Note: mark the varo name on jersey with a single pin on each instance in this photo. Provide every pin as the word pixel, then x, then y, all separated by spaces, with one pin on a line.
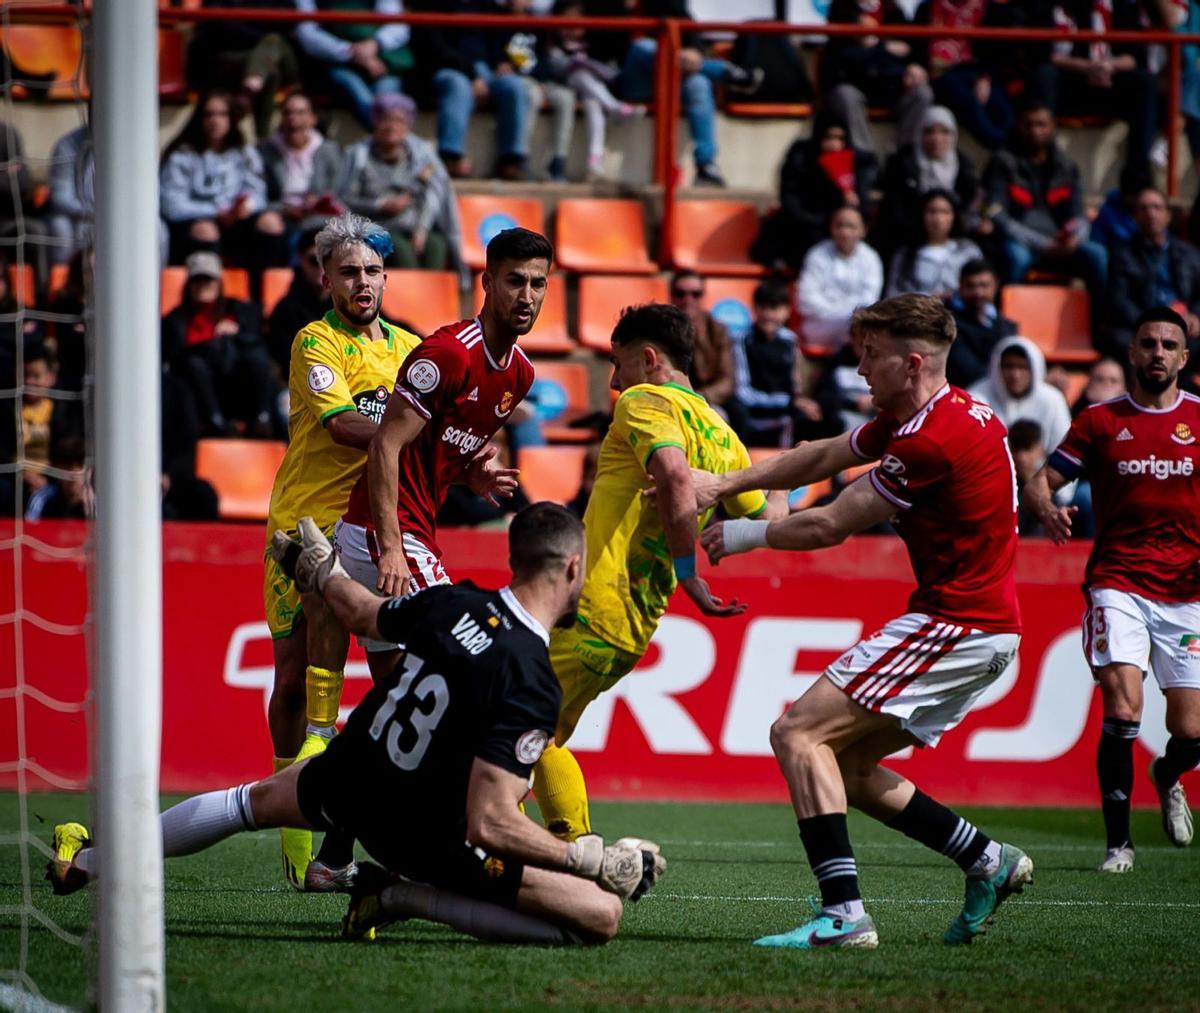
pixel 467 632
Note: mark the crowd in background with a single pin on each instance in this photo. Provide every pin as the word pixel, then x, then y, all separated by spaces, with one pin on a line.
pixel 852 223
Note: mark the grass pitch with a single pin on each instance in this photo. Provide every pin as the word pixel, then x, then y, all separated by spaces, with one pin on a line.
pixel 239 939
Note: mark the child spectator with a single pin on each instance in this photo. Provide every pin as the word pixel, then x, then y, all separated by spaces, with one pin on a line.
pixel 980 325
pixel 213 193
pixel 68 495
pixel 1028 453
pixel 934 266
pixel 839 275
pixel 396 178
pixel 213 344
pixel 842 391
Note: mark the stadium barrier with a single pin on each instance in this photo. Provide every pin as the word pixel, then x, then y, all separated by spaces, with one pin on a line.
pixel 690 723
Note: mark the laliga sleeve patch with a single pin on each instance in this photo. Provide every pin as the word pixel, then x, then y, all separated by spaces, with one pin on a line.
pixel 423 375
pixel 320 378
pixel 531 745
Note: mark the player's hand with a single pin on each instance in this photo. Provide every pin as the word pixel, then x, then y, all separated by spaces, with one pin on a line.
pixel 395 578
pixel 488 479
pixel 712 541
pixel 707 487
pixel 316 561
pixel 697 589
pixel 628 868
pixel 1057 523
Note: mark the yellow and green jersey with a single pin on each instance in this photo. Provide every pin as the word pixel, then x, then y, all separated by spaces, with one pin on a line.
pixel 333 369
pixel 630 575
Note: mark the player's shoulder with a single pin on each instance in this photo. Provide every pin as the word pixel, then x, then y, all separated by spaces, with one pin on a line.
pixel 653 396
pixel 317 333
pixel 454 340
pixel 400 341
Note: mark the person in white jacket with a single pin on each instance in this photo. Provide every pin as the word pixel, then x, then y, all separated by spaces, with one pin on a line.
pixel 839 275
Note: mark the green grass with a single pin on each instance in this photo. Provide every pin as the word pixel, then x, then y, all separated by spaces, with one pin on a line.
pixel 238 939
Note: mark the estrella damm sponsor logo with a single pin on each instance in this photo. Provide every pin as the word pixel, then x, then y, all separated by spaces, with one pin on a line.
pixel 372 403
pixel 1157 467
pixel 1183 434
pixel 1190 642
pixel 465 439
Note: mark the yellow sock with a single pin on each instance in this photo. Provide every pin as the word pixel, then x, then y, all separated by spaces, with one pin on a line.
pixel 324 691
pixel 561 793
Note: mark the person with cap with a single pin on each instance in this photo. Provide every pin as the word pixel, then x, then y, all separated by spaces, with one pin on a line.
pixel 397 179
pixel 214 345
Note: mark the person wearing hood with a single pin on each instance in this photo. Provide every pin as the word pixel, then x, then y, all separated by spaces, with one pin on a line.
pixel 820 174
pixel 935 162
pixel 1016 387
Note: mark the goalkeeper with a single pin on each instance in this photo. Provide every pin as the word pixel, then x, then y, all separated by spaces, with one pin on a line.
pixel 431 766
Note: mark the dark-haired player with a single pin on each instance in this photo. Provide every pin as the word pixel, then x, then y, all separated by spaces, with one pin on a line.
pixel 1142 584
pixel 946 478
pixel 452 735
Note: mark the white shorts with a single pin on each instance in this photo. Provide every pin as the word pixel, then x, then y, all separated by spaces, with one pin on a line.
pixel 1162 636
pixel 358 551
pixel 924 672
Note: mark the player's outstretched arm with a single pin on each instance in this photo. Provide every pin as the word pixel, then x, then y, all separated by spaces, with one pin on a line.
pixel 401 424
pixel 676 503
pixel 1038 497
pixel 802 465
pixel 627 868
pixel 349 429
pixel 858 508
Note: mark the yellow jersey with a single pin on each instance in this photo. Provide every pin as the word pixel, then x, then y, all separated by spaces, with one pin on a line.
pixel 332 369
pixel 630 575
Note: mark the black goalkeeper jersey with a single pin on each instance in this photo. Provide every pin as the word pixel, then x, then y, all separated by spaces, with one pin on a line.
pixel 475 682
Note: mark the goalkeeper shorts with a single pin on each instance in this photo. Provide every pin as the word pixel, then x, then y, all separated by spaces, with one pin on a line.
pixel 586 666
pixel 281 599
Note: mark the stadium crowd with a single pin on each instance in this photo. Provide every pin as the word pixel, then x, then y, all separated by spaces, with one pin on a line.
pixel 852 223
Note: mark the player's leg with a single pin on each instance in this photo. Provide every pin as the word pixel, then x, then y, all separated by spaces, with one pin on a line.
pixel 1182 754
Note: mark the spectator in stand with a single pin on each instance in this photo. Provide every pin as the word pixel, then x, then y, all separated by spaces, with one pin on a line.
pixel 711 371
pixel 1115 222
pixel 19 219
pixel 769 406
pixel 71 206
pixel 396 178
pixel 68 495
pixel 1106 380
pixel 1028 449
pixel 933 267
pixel 935 162
pixel 842 391
pixel 306 300
pixel 251 59
pixel 1016 387
pixel 839 275
pixel 213 343
pixel 185 497
pixel 213 193
pixel 980 325
pixel 1154 268
pixel 1092 77
pixel 568 61
pixel 820 174
pixel 49 415
pixel 1034 200
pixel 361 61
pixel 301 167
pixel 70 335
pixel 871 71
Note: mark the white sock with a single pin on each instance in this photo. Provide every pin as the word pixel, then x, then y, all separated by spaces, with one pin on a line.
pixel 324 731
pixel 202 820
pixel 478 918
pixel 987 864
pixel 85 861
pixel 851 910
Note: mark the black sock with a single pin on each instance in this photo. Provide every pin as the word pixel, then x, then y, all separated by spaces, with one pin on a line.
pixel 337 849
pixel 1181 756
pixel 826 839
pixel 930 823
pixel 1114 769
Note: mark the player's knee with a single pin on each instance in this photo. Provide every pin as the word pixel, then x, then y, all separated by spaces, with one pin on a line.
pixel 789 740
pixel 604 920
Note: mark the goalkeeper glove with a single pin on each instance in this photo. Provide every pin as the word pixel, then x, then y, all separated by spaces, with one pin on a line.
pixel 311 563
pixel 628 868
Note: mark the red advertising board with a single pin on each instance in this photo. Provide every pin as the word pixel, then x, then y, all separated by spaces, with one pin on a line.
pixel 689 723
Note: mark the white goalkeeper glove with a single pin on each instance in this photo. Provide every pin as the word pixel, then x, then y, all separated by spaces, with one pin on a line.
pixel 628 868
pixel 312 562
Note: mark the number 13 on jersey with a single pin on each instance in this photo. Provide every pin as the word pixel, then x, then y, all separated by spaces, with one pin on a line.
pixel 423 722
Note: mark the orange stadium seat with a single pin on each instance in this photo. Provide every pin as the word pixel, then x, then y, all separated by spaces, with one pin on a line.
pixel 48 49
pixel 714 237
pixel 603 236
pixel 425 300
pixel 235 283
pixel 603 296
pixel 242 472
pixel 558 395
pixel 731 301
pixel 275 284
pixel 58 280
pixel 23 284
pixel 1076 382
pixel 549 335
pixel 172 60
pixel 1057 318
pixel 553 473
pixel 483 215
pixel 854 473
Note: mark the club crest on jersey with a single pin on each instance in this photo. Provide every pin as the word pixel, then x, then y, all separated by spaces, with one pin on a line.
pixel 505 405
pixel 1183 434
pixel 531 745
pixel 424 375
pixel 892 464
pixel 320 378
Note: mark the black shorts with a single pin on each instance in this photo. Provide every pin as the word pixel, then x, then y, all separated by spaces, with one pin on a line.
pixel 336 793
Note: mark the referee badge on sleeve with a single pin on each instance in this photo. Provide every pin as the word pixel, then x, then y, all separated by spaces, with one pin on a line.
pixel 531 745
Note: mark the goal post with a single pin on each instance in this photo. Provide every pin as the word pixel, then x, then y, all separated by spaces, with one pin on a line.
pixel 128 583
